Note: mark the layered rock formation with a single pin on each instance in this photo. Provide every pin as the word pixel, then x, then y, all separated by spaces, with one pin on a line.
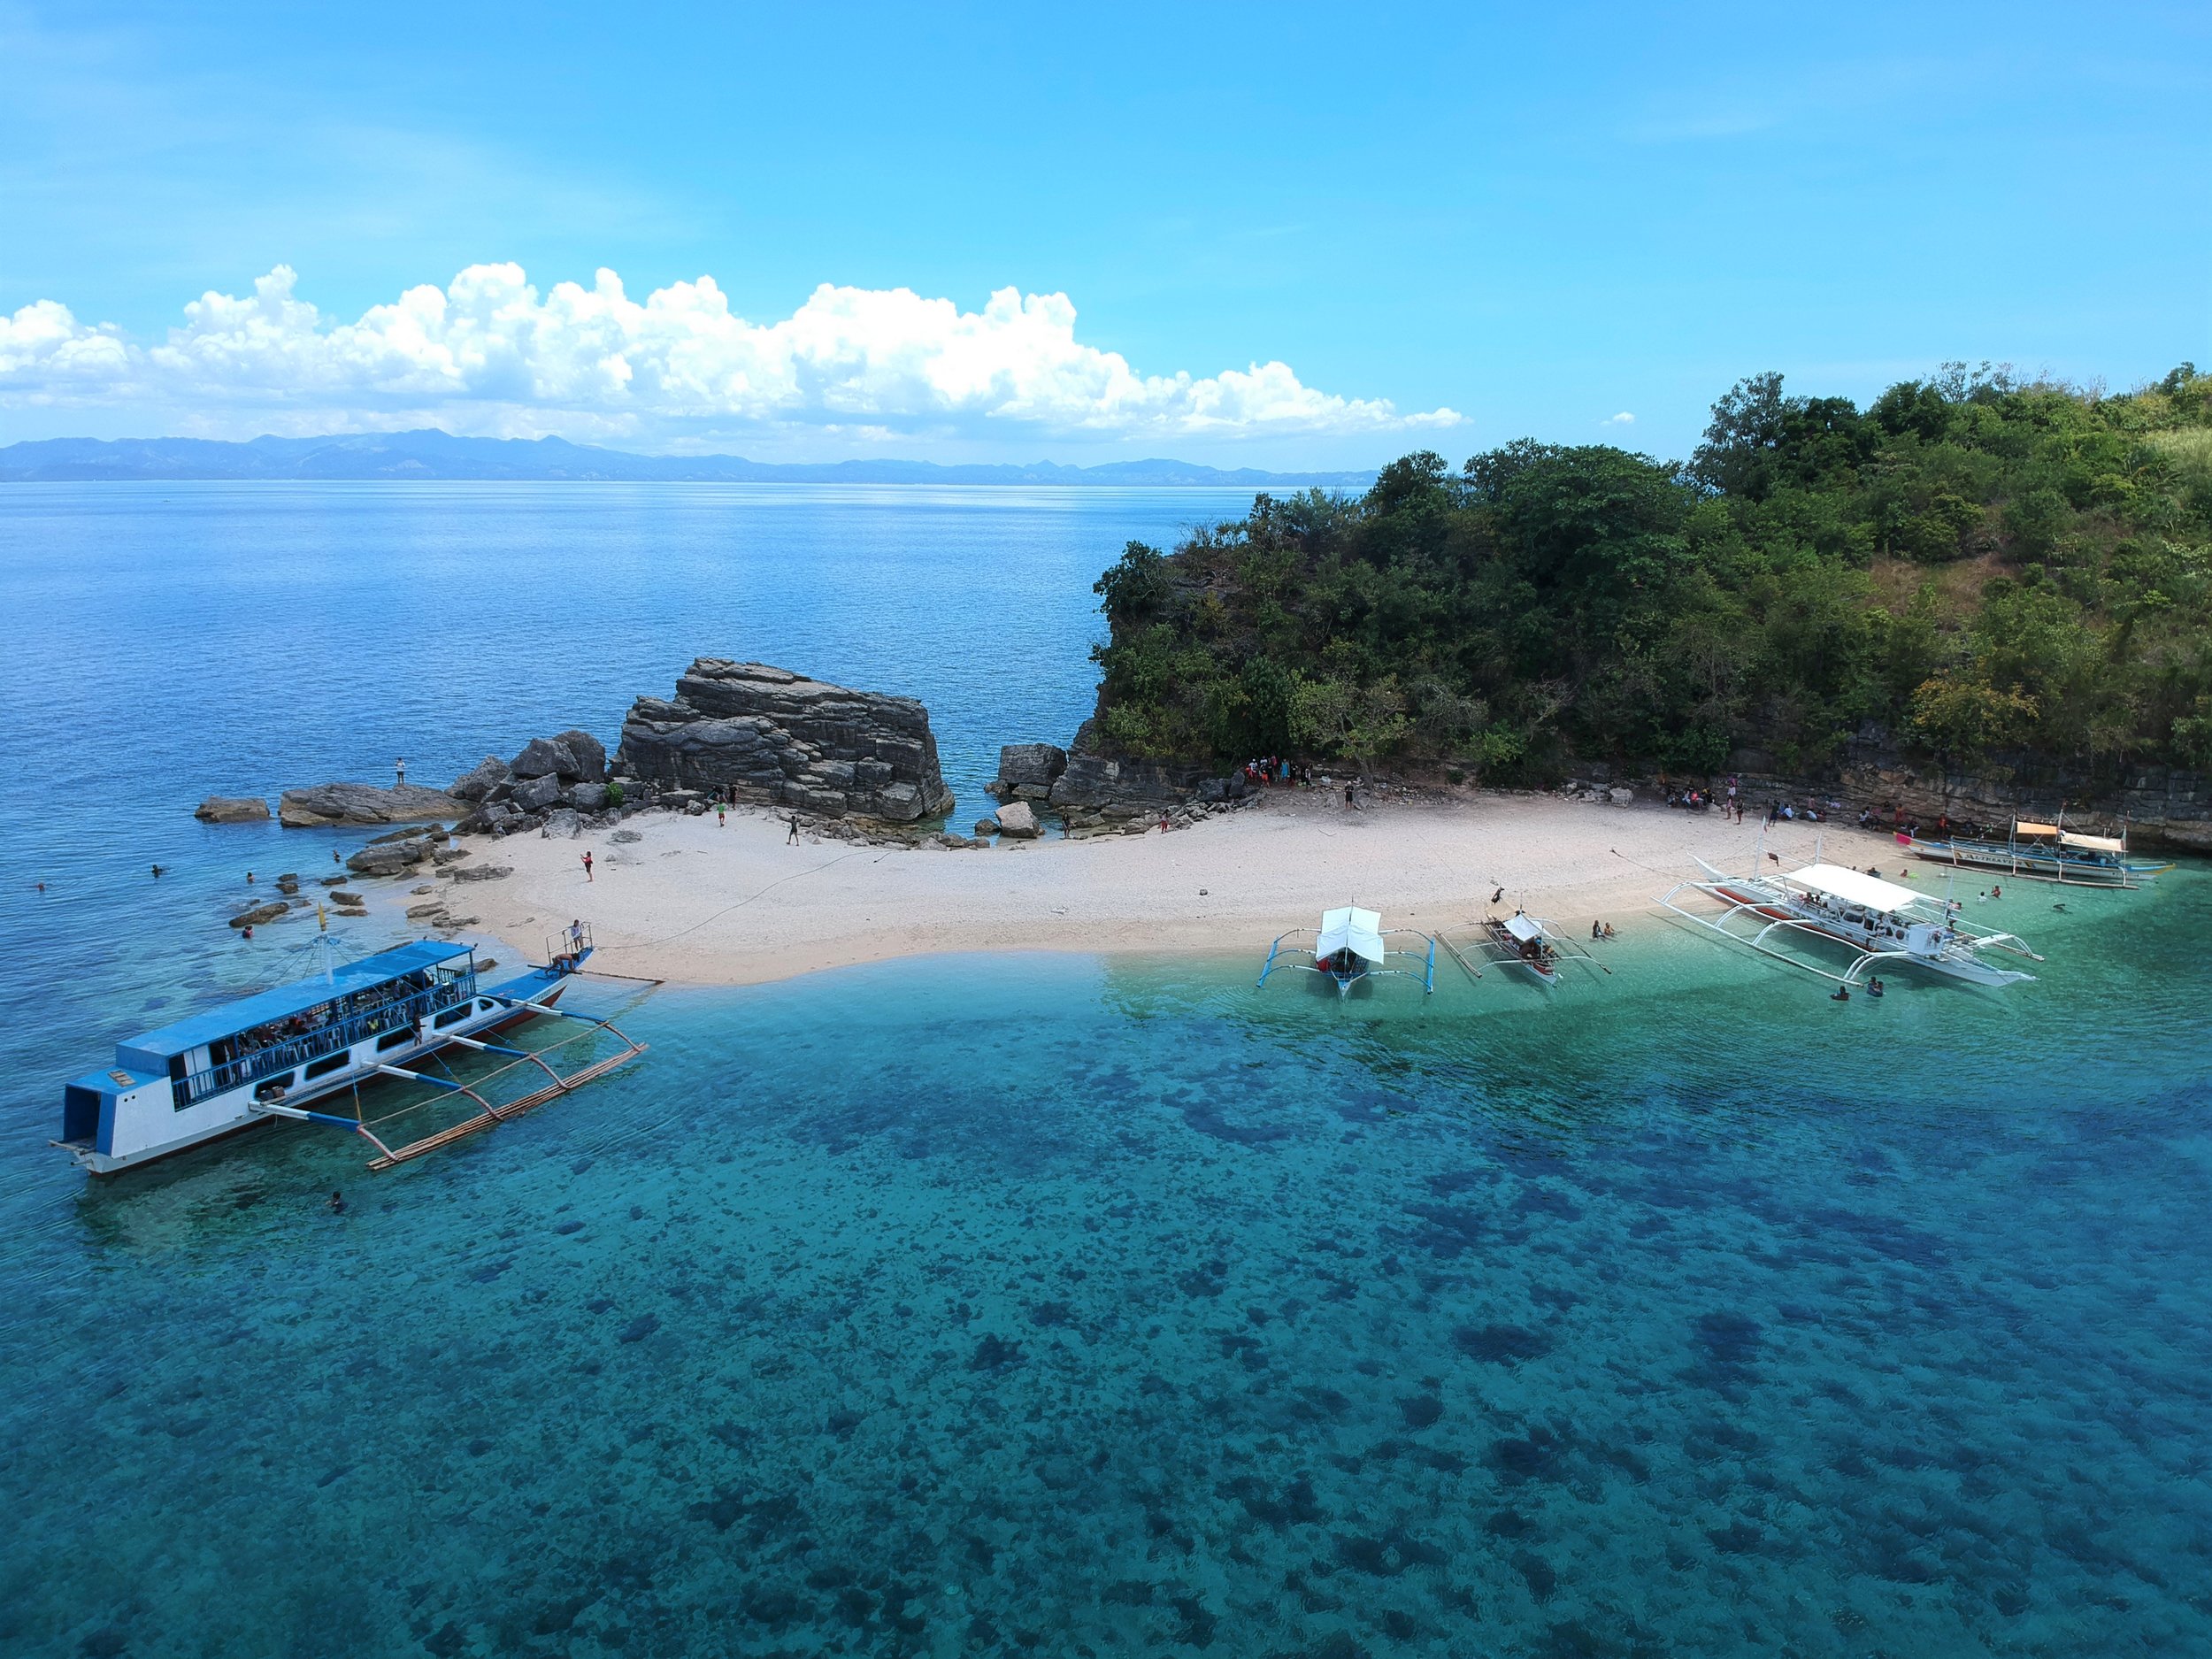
pixel 769 735
pixel 357 803
pixel 1098 792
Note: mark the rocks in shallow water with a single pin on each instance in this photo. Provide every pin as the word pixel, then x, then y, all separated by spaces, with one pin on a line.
pixel 777 737
pixel 288 883
pixel 355 804
pixel 423 912
pixel 390 858
pixel 1018 819
pixel 232 808
pixel 260 914
pixel 986 826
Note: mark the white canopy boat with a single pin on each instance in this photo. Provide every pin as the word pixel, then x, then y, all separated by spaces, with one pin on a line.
pixel 1878 920
pixel 1350 945
pixel 2045 852
pixel 1527 943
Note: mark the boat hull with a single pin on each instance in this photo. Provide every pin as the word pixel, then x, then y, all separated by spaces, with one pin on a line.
pixel 222 1116
pixel 2030 865
pixel 1967 970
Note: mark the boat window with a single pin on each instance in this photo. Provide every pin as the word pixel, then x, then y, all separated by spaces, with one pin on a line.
pixel 484 1005
pixel 328 1063
pixel 451 1015
pixel 395 1039
pixel 274 1088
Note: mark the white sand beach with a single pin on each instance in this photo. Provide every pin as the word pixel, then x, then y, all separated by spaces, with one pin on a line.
pixel 697 903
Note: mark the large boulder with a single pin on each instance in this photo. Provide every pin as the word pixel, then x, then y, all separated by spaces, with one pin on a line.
pixel 544 757
pixel 534 794
pixel 232 808
pixel 479 780
pixel 260 914
pixel 590 753
pixel 388 858
pixel 562 823
pixel 1030 770
pixel 1017 819
pixel 352 804
pixel 586 797
pixel 773 736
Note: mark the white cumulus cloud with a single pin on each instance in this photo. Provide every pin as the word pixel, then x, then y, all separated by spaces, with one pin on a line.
pixel 1621 419
pixel 488 353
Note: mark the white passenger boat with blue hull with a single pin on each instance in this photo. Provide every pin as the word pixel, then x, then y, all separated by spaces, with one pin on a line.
pixel 281 1052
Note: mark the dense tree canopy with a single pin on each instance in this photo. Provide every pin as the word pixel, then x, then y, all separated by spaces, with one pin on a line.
pixel 1981 569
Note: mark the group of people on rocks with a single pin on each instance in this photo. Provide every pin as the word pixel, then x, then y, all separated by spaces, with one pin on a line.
pixel 1274 768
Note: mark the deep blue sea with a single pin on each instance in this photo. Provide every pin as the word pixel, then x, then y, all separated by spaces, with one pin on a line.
pixel 1059 1305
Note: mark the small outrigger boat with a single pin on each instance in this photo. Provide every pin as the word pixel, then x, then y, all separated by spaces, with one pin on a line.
pixel 2044 852
pixel 1349 947
pixel 1527 943
pixel 1877 921
pixel 270 1055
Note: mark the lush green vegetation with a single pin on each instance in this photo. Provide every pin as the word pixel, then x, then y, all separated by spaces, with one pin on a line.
pixel 1989 572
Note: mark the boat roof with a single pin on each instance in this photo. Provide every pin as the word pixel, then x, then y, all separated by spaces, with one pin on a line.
pixel 1525 929
pixel 2093 843
pixel 1856 886
pixel 284 1001
pixel 1351 928
pixel 2021 826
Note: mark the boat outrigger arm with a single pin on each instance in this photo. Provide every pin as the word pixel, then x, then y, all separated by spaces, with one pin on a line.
pixel 556 1084
pixel 1940 944
pixel 1355 939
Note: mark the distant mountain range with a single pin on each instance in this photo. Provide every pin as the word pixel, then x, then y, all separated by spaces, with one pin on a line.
pixel 438 455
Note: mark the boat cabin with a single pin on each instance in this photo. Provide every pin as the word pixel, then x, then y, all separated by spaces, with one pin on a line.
pixel 196 1076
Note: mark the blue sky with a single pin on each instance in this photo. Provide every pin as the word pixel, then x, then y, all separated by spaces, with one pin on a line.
pixel 1440 226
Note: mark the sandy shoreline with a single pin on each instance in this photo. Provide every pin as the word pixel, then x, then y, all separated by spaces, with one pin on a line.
pixel 698 903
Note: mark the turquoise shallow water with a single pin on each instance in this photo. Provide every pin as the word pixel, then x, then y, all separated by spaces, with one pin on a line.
pixel 1032 1304
pixel 1060 1305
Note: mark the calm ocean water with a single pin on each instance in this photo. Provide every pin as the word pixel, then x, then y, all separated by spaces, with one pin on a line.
pixel 1038 1305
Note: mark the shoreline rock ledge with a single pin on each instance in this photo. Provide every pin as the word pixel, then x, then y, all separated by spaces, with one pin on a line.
pixel 355 804
pixel 773 736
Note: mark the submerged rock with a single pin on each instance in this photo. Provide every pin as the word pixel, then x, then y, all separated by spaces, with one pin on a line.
pixel 232 808
pixel 260 913
pixel 768 735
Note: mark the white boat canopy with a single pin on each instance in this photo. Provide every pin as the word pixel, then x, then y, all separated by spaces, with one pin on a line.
pixel 1523 928
pixel 1856 886
pixel 1351 929
pixel 2093 843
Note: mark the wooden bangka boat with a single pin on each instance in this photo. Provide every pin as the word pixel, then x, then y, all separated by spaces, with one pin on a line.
pixel 2044 852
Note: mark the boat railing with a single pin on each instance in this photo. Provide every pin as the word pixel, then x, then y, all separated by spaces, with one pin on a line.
pixel 342 1033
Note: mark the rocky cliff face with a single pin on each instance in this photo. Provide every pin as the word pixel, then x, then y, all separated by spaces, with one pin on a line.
pixel 774 736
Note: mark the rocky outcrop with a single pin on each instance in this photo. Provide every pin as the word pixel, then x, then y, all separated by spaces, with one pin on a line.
pixel 1026 771
pixel 232 808
pixel 769 735
pixel 358 804
pixel 392 857
pixel 479 780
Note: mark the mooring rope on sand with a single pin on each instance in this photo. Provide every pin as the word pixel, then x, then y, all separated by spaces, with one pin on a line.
pixel 642 944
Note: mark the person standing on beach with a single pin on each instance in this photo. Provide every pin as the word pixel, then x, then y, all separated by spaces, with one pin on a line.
pixel 721 815
pixel 399 772
pixel 587 875
pixel 792 840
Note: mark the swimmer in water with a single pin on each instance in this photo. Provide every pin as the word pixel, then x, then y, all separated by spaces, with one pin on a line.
pixel 337 1203
pixel 1842 996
